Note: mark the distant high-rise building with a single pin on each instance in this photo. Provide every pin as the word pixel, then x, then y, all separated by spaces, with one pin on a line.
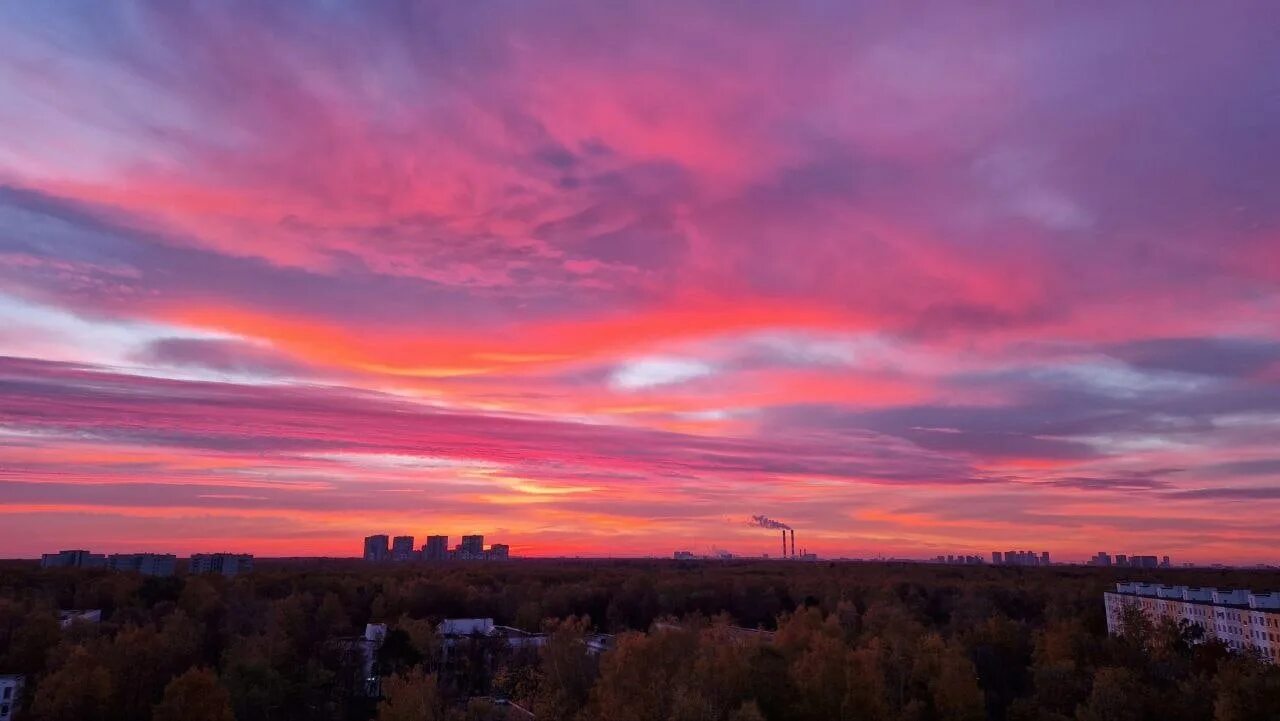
pixel 997 557
pixel 1164 562
pixel 436 548
pixel 227 564
pixel 402 548
pixel 1122 559
pixel 1044 559
pixel 73 559
pixel 471 548
pixel 147 564
pixel 499 552
pixel 376 548
pixel 1144 562
pixel 1101 559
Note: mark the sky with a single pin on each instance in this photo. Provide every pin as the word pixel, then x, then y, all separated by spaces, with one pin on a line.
pixel 611 278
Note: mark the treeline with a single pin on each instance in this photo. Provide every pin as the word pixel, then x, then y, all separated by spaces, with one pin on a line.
pixel 850 641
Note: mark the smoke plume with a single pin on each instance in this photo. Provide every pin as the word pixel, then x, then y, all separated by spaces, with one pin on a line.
pixel 766 522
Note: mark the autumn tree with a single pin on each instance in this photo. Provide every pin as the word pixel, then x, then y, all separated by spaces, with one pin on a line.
pixel 565 670
pixel 78 691
pixel 412 696
pixel 194 696
pixel 1117 695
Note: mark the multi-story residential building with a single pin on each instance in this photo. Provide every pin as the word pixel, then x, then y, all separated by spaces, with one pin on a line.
pixel 1020 558
pixel 148 564
pixel 1243 620
pixel 402 548
pixel 73 559
pixel 227 564
pixel 376 548
pixel 1129 561
pixel 471 549
pixel 436 548
pixel 10 695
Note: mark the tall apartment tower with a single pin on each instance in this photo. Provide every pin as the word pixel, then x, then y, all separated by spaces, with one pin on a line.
pixel 402 548
pixel 376 548
pixel 997 557
pixel 436 548
pixel 471 548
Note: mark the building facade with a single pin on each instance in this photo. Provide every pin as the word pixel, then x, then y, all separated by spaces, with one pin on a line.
pixel 73 559
pixel 402 548
pixel 376 548
pixel 227 564
pixel 1243 620
pixel 471 548
pixel 10 695
pixel 1124 560
pixel 148 564
pixel 436 548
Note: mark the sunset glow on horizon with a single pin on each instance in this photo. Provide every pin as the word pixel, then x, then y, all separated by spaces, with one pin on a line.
pixel 601 280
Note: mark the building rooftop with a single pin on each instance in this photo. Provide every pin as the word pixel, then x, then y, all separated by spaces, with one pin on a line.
pixel 1239 597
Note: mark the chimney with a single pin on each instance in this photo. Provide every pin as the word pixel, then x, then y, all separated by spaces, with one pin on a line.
pixel 784 543
pixel 793 543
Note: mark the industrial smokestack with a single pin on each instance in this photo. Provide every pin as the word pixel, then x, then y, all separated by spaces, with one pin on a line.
pixel 784 543
pixel 793 543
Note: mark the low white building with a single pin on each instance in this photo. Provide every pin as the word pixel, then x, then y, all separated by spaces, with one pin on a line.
pixel 361 653
pixel 456 632
pixel 1243 620
pixel 10 695
pixel 66 618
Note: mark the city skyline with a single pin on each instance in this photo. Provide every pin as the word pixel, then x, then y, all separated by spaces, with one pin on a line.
pixel 610 281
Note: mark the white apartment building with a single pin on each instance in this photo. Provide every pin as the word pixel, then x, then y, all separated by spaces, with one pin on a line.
pixel 1242 619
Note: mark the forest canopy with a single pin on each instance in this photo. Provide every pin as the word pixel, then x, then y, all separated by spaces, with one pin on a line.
pixel 873 642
